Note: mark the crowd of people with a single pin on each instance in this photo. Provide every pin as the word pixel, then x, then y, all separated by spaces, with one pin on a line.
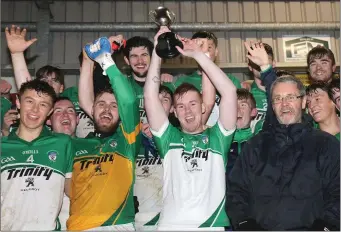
pixel 148 151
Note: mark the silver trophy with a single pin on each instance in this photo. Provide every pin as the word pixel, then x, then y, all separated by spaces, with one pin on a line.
pixel 167 41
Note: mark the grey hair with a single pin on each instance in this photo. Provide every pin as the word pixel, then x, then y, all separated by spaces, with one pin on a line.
pixel 289 79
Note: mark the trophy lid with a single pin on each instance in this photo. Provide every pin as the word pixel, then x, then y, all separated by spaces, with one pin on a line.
pixel 163 16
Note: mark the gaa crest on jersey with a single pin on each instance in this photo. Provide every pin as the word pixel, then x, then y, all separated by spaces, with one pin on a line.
pixel 113 143
pixel 52 155
pixel 205 139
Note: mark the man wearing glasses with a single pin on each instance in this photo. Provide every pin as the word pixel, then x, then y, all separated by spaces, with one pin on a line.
pixel 288 176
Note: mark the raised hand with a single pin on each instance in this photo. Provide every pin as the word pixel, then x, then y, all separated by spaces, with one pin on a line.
pixel 192 47
pixel 117 38
pixel 16 41
pixel 163 29
pixel 257 52
pixel 5 87
pixel 166 78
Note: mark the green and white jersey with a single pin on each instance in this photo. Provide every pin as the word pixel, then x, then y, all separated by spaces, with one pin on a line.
pixel 194 177
pixel 195 79
pixel 85 125
pixel 32 180
pixel 148 190
pixel 261 104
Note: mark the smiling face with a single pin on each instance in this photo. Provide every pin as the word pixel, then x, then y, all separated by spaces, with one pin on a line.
pixel 287 103
pixel 34 107
pixel 320 106
pixel 105 113
pixel 245 113
pixel 189 109
pixel 64 118
pixel 139 61
pixel 321 69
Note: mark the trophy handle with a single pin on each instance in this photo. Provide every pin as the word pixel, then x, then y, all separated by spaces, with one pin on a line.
pixel 171 13
pixel 152 15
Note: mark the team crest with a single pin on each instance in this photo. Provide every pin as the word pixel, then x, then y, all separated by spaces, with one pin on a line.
pixel 52 155
pixel 205 139
pixel 113 143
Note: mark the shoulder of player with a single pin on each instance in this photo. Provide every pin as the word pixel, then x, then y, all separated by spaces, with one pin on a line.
pixel 71 91
pixel 61 137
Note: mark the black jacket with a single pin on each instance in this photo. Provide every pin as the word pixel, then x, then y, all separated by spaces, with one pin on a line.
pixel 286 178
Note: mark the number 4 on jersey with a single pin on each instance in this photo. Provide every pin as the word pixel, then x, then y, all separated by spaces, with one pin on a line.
pixel 30 159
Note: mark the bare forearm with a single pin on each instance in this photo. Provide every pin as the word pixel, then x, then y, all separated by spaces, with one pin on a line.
pixel 86 86
pixel 155 112
pixel 208 95
pixel 21 73
pixel 215 74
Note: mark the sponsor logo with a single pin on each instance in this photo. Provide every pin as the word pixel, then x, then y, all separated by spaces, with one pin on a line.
pixel 145 170
pixel 194 159
pixel 150 161
pixel 29 152
pixel 81 152
pixel 29 171
pixel 30 182
pixel 52 155
pixel 96 161
pixel 7 159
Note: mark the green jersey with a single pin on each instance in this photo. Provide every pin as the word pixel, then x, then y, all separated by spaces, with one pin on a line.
pixel 195 79
pixel 32 180
pixel 103 169
pixel 194 177
pixel 85 125
pixel 5 106
pixel 261 103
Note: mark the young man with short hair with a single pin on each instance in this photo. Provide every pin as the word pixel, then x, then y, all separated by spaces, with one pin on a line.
pixel 64 120
pixel 195 78
pixel 36 164
pixel 321 64
pixel 322 108
pixel 196 155
pixel 246 112
pixel 52 75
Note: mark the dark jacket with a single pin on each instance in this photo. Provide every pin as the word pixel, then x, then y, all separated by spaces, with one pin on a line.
pixel 286 178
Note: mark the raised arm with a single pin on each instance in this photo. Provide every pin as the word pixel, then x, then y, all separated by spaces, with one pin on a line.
pixel 86 98
pixel 156 115
pixel 17 45
pixel 259 56
pixel 208 96
pixel 226 88
pixel 100 51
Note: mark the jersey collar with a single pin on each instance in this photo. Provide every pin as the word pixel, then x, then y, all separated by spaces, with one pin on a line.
pixel 44 132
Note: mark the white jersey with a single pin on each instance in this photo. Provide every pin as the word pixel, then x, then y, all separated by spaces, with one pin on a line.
pixel 194 177
pixel 33 179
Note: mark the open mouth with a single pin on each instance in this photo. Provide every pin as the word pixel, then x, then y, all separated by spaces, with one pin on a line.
pixel 32 117
pixel 189 119
pixel 106 118
pixel 66 122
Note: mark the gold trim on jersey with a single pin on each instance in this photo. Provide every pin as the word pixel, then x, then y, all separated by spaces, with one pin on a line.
pixel 131 137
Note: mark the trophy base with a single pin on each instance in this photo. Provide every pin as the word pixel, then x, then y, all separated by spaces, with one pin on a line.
pixel 165 47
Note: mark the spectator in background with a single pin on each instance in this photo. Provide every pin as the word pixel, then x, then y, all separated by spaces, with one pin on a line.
pixel 246 112
pixel 288 176
pixel 321 64
pixel 322 108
